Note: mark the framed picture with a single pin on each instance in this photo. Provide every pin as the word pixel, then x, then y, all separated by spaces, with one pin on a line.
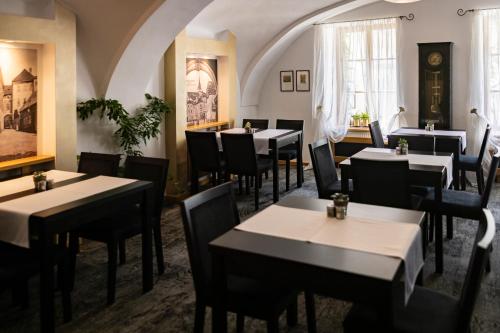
pixel 302 80
pixel 286 81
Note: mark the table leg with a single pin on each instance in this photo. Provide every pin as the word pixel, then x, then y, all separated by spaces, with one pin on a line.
pixel 147 246
pixel 47 320
pixel 274 157
pixel 300 167
pixel 219 315
pixel 439 242
pixel 344 181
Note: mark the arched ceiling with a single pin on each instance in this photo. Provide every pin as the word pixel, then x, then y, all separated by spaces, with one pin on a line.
pixel 264 30
pixel 104 29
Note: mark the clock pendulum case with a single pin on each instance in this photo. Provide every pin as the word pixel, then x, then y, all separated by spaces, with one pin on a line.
pixel 435 64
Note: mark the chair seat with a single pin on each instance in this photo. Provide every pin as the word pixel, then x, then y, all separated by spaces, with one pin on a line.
pixel 256 299
pixel 125 225
pixel 466 162
pixel 288 152
pixel 335 187
pixel 455 203
pixel 427 311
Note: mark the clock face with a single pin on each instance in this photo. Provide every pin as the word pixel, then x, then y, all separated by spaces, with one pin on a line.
pixel 435 59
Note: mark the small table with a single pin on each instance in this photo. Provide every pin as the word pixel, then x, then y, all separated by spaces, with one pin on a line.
pixel 421 174
pixel 436 133
pixel 44 225
pixel 341 273
pixel 268 142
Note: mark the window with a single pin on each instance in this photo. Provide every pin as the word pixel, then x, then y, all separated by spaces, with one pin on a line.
pixel 369 63
pixel 492 41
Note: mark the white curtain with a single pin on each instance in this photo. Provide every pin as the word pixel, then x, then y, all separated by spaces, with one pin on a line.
pixel 484 90
pixel 355 70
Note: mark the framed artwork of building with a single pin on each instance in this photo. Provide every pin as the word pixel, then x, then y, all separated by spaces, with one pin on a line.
pixel 201 90
pixel 18 102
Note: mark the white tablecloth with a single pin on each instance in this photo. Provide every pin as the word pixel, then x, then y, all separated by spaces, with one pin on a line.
pixel 261 138
pixel 395 233
pixel 416 131
pixel 26 183
pixel 390 155
pixel 15 214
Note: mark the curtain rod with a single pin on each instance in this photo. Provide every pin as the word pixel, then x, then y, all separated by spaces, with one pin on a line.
pixel 409 17
pixel 463 12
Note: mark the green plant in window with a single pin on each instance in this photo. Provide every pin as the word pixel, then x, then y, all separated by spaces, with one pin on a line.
pixel 132 129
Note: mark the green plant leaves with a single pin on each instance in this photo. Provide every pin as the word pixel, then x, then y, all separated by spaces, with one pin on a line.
pixel 132 130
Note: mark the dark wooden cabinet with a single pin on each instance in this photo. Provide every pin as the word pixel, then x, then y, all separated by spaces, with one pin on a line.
pixel 435 85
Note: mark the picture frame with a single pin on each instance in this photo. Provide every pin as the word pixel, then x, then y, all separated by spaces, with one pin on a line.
pixel 287 81
pixel 302 80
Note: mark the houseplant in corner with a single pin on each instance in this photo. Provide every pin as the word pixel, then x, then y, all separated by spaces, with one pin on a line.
pixel 132 129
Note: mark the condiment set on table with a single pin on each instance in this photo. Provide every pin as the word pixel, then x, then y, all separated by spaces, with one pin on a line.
pixel 41 182
pixel 338 209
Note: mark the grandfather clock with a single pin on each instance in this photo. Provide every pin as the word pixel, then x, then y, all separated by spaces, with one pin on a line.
pixel 435 61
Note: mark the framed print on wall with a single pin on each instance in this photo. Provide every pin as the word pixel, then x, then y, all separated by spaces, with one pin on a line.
pixel 286 81
pixel 302 80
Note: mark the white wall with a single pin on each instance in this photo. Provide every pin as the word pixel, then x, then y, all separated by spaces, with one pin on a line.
pixel 290 105
pixel 435 21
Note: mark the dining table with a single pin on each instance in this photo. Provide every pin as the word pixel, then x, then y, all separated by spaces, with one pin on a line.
pixel 462 134
pixel 32 219
pixel 427 169
pixel 373 257
pixel 268 143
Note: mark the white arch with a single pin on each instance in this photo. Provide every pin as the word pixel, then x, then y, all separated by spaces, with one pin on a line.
pixel 145 50
pixel 256 72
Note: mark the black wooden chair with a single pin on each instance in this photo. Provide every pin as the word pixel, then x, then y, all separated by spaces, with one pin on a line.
pixel 474 163
pixel 18 265
pixel 128 224
pixel 204 156
pixel 325 173
pixel 460 203
pixel 415 142
pixel 99 164
pixel 430 311
pixel 383 183
pixel 241 160
pixel 206 216
pixel 376 134
pixel 289 152
pixel 262 124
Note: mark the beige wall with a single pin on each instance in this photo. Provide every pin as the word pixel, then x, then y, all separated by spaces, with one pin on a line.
pixel 175 91
pixel 57 111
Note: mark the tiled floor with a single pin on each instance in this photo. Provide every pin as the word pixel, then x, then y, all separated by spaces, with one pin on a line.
pixel 170 306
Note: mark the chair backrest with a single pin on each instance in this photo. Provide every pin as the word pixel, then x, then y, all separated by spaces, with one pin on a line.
pixel 415 142
pixel 477 263
pixel 203 151
pixel 99 164
pixel 376 134
pixel 449 144
pixel 484 144
pixel 206 216
pixel 383 183
pixel 239 153
pixel 297 125
pixel 257 123
pixel 485 197
pixel 150 169
pixel 323 163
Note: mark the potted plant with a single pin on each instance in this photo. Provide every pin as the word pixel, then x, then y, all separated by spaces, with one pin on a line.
pixel 429 126
pixel 356 119
pixel 248 127
pixel 132 129
pixel 365 119
pixel 40 181
pixel 403 146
